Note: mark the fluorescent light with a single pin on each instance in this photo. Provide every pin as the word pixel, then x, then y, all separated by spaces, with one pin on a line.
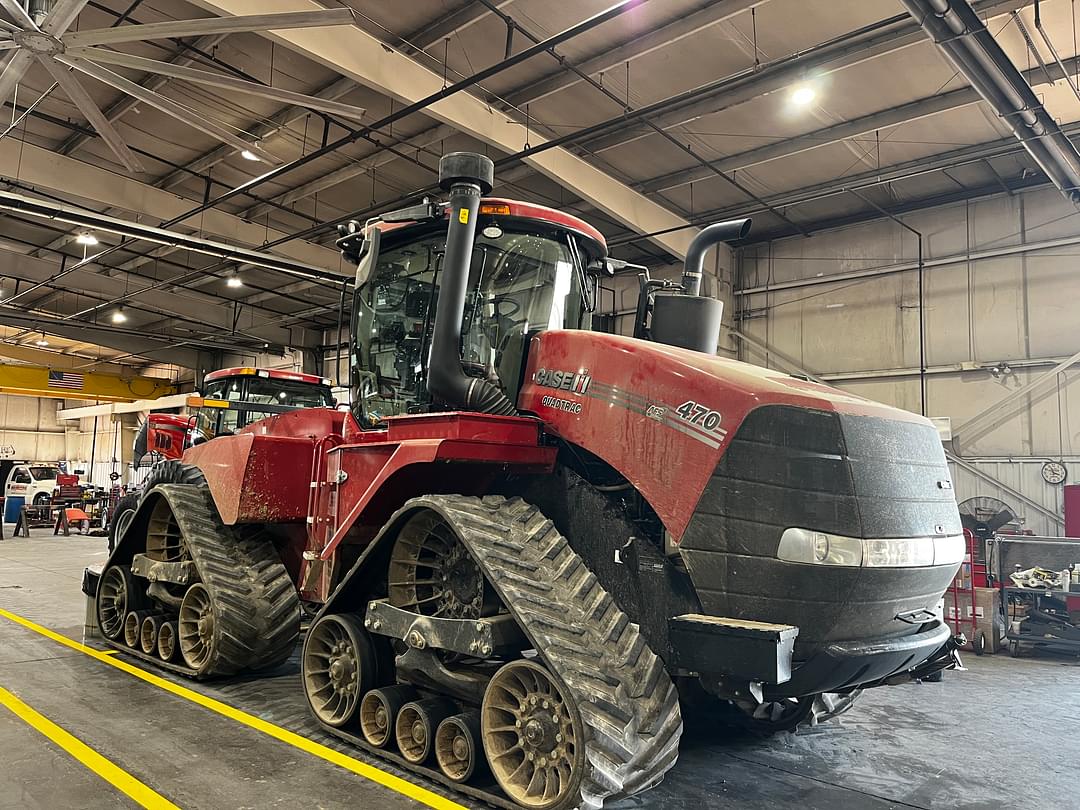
pixel 87 239
pixel 234 281
pixel 803 95
pixel 247 154
pixel 119 316
pixel 42 343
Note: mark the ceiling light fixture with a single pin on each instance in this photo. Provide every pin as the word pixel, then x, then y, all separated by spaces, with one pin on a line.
pixel 42 342
pixel 803 95
pixel 119 316
pixel 234 281
pixel 247 154
pixel 87 239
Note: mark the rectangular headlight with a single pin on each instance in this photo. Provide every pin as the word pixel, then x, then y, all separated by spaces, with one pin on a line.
pixel 822 548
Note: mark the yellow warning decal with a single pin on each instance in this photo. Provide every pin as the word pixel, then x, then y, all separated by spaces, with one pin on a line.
pixel 463 216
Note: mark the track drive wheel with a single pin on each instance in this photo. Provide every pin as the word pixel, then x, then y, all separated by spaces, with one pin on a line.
pixel 531 731
pixel 340 664
pixel 116 597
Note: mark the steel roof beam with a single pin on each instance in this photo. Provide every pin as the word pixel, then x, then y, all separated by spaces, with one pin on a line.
pixel 663 34
pixel 365 58
pixel 912 111
pixel 848 50
pixel 75 179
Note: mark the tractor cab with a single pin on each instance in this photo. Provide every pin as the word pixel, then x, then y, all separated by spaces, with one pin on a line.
pixel 532 269
pixel 232 398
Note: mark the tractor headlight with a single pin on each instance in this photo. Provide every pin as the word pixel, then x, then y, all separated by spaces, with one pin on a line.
pixel 822 548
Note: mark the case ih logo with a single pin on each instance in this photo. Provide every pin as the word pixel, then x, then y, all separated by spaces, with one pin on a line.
pixel 576 382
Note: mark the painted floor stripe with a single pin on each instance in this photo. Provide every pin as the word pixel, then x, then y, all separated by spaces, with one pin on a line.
pixel 85 755
pixel 377 775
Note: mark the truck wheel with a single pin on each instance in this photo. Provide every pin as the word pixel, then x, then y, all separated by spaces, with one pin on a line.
pixel 979 643
pixel 42 499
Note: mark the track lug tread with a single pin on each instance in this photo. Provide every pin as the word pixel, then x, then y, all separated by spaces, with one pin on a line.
pixel 257 609
pixel 628 704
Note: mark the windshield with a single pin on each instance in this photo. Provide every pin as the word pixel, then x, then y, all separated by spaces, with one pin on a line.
pixel 288 392
pixel 44 473
pixel 519 283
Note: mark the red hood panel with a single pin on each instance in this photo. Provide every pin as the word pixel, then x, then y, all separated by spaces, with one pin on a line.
pixel 661 415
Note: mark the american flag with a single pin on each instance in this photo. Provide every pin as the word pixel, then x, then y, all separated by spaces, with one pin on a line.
pixel 65 379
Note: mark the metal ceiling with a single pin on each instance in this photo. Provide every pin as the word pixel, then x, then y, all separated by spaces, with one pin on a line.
pixel 683 104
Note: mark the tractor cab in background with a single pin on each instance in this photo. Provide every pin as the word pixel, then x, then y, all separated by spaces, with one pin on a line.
pixel 232 398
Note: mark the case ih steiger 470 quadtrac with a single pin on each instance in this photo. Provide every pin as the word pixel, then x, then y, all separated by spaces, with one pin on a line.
pixel 528 539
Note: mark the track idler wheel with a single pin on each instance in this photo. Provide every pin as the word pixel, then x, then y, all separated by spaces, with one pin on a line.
pixel 166 641
pixel 340 664
pixel 532 736
pixel 415 727
pixel 458 749
pixel 116 597
pixel 133 627
pixel 379 710
pixel 196 627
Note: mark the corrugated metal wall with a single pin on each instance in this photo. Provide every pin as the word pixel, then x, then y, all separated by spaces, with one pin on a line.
pixel 1020 309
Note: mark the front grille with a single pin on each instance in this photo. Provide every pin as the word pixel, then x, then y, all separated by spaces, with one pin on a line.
pixel 857 476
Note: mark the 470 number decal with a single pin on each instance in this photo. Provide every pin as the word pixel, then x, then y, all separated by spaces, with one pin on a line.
pixel 698 414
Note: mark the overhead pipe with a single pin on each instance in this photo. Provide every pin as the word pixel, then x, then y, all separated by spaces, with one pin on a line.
pixel 971 48
pixel 84 217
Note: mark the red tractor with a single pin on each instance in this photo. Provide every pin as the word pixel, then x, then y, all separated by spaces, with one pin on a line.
pixel 529 541
pixel 233 398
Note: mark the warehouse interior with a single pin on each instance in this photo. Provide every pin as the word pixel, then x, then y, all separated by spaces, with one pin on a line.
pixel 219 364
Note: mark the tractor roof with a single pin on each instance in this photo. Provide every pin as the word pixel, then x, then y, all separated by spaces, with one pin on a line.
pixel 498 207
pixel 271 373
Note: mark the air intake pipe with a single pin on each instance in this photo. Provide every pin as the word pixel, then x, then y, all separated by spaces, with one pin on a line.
pixel 687 319
pixel 466 176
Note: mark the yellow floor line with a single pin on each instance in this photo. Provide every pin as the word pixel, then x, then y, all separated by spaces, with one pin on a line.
pixel 381 777
pixel 85 755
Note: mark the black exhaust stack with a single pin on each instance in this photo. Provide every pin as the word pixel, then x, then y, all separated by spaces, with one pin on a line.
pixel 686 319
pixel 466 176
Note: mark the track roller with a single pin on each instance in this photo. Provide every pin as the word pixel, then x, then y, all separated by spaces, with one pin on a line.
pixel 148 633
pixel 458 749
pixel 133 627
pixel 166 641
pixel 378 711
pixel 415 727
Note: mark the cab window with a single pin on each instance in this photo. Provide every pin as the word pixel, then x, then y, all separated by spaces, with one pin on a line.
pixel 21 476
pixel 520 282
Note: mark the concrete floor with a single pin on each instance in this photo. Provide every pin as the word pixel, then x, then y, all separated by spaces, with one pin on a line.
pixel 999 735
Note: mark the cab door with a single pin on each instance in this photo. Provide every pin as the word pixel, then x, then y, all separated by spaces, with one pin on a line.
pixel 18 482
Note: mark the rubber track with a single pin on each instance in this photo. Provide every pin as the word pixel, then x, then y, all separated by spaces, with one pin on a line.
pixel 629 706
pixel 256 607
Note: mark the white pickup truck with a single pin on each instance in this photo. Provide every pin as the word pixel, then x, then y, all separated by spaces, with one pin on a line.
pixel 34 482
